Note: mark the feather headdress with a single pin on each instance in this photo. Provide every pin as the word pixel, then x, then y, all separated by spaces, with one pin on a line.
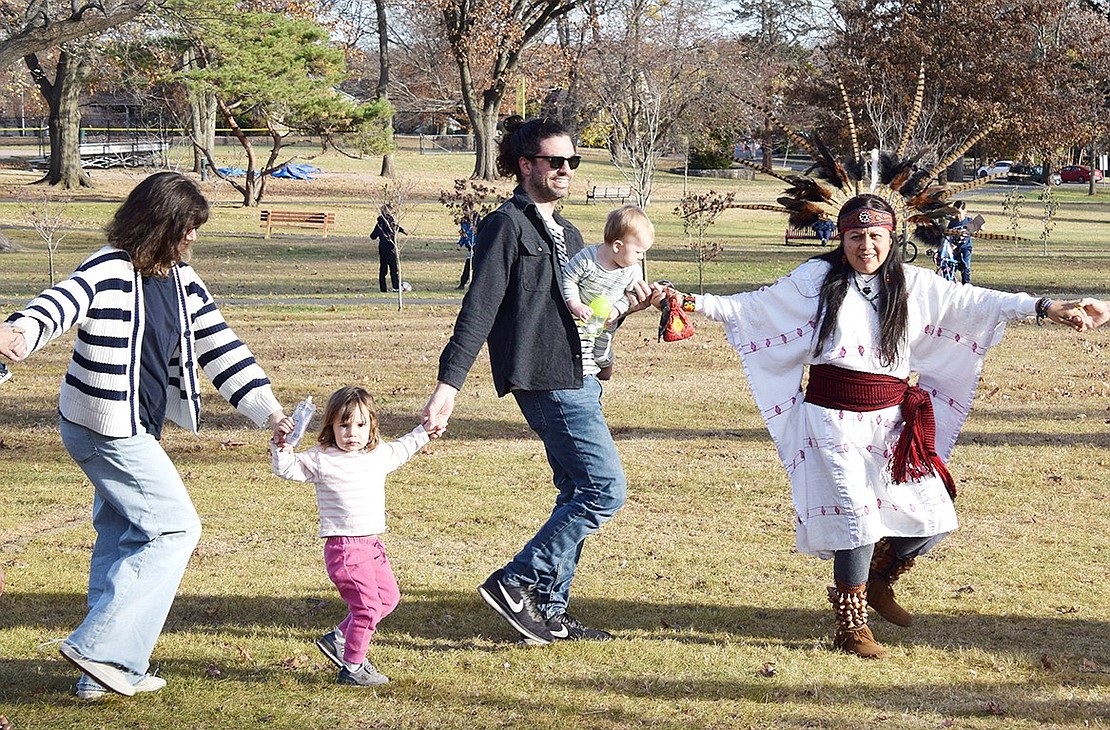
pixel 901 179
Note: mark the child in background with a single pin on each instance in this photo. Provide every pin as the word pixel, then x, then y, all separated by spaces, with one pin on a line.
pixel 959 232
pixel 607 270
pixel 348 467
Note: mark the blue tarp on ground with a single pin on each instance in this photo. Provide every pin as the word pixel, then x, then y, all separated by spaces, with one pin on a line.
pixel 296 171
pixel 290 170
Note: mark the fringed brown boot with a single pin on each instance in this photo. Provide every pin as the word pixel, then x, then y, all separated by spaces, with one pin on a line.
pixel 886 567
pixel 852 634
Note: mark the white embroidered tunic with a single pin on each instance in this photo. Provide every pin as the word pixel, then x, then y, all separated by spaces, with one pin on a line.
pixel 838 460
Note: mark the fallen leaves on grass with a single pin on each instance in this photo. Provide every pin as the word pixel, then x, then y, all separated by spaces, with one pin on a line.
pixel 5 724
pixel 767 670
pixel 293 662
pixel 213 671
pixel 1088 665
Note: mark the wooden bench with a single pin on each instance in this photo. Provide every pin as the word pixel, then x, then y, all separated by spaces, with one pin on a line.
pixel 302 219
pixel 616 192
pixel 802 234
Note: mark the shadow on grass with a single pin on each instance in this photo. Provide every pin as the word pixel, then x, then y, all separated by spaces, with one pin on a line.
pixel 452 620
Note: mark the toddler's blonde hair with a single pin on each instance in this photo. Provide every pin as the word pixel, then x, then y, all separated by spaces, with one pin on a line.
pixel 627 219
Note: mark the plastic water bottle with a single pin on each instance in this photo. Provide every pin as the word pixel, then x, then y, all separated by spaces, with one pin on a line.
pixel 302 414
pixel 600 308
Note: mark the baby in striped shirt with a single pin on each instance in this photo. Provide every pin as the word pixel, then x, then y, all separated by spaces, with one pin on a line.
pixel 608 271
pixel 348 465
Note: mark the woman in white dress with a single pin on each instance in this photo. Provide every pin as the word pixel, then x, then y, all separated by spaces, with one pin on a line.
pixel 865 451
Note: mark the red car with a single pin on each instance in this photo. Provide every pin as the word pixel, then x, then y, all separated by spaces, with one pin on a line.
pixel 1078 174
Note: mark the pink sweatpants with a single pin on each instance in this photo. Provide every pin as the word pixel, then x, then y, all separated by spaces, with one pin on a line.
pixel 360 570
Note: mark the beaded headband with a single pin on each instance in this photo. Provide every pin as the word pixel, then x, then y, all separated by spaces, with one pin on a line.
pixel 865 218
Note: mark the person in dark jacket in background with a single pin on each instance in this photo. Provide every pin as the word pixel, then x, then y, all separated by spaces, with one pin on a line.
pixel 515 304
pixel 385 232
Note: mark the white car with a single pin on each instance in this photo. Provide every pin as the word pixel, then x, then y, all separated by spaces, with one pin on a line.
pixel 996 168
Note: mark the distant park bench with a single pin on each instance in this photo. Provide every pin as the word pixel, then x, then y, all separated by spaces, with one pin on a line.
pixel 618 192
pixel 302 219
pixel 102 155
pixel 801 234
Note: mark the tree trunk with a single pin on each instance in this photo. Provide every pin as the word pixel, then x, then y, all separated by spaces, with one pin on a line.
pixel 482 120
pixel 202 108
pixel 202 113
pixel 1094 166
pixel 485 137
pixel 383 79
pixel 64 121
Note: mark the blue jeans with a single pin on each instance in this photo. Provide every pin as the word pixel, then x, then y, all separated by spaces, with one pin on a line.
pixel 963 261
pixel 146 529
pixel 590 481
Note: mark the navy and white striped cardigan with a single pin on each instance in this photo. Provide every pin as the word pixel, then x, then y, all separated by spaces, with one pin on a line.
pixel 103 298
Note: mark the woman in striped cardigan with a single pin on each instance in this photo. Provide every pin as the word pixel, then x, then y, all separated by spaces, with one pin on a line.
pixel 145 322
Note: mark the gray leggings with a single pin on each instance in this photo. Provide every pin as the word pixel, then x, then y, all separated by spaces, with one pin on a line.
pixel 851 567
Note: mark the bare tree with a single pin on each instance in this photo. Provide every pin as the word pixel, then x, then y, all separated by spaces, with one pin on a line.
pixel 44 25
pixel 48 218
pixel 698 212
pixel 486 39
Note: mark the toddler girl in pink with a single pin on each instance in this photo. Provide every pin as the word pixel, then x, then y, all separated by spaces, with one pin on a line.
pixel 348 466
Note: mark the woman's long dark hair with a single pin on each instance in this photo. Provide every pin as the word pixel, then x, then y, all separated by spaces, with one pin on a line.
pixel 893 310
pixel 152 223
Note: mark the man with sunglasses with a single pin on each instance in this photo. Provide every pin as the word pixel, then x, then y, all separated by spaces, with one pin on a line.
pixel 515 304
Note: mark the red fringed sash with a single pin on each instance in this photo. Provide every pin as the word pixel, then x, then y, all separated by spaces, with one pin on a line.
pixel 915 454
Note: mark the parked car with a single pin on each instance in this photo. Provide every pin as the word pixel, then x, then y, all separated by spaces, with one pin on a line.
pixel 1078 174
pixel 1021 173
pixel 995 168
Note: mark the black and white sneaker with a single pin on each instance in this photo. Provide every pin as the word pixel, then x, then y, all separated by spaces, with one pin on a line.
pixel 516 605
pixel 331 645
pixel 565 627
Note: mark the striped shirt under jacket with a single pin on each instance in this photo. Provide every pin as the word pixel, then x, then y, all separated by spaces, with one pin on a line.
pixel 103 298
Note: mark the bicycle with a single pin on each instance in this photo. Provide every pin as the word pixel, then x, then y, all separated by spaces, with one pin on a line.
pixel 909 249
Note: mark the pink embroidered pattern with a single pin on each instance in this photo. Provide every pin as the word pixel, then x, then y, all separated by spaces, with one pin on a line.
pixel 783 338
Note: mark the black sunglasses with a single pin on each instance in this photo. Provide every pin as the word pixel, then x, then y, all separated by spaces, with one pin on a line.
pixel 556 161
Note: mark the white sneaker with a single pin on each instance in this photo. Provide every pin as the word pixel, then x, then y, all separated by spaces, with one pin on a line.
pixel 149 683
pixel 108 675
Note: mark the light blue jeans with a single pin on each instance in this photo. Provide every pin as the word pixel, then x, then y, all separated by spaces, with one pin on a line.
pixel 591 488
pixel 146 529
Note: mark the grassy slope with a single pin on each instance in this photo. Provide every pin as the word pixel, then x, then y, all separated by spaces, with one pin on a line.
pixel 697 575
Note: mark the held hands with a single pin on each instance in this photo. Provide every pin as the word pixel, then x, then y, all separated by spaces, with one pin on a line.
pixel 661 290
pixel 1077 315
pixel 438 410
pixel 1097 310
pixel 643 295
pixel 282 425
pixel 12 343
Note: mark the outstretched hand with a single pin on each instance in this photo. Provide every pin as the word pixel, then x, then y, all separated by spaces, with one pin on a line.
pixel 643 295
pixel 1097 311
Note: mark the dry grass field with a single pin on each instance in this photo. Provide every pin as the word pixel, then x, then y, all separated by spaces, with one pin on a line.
pixel 719 622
